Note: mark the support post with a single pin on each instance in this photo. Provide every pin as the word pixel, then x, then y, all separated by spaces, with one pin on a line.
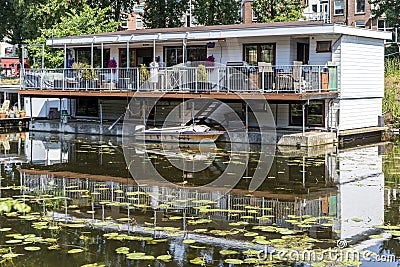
pixel 91 54
pixel 30 109
pixel 42 57
pixel 247 118
pixel 19 102
pixel 127 55
pixel 303 117
pixel 154 50
pixel 102 56
pixel 65 56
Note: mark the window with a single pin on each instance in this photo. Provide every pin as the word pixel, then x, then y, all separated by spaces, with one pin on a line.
pixel 139 24
pixel 339 7
pixel 324 46
pixel 87 107
pixel 254 53
pixel 122 57
pixel 83 55
pixel 314 114
pixel 174 55
pixel 314 8
pixel 253 15
pixel 360 24
pixel 360 6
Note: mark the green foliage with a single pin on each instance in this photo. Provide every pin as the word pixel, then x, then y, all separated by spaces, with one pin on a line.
pixel 216 12
pixel 86 71
pixel 117 7
pixel 201 73
pixel 390 102
pixel 278 10
pixel 390 9
pixel 76 22
pixel 13 205
pixel 164 13
pixel 144 73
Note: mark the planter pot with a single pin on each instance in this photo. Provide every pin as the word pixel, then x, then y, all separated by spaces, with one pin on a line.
pixel 22 114
pixel 3 115
pixel 11 115
pixel 17 115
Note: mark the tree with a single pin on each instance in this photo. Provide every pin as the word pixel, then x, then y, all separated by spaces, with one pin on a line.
pixel 118 7
pixel 216 12
pixel 164 13
pixel 389 9
pixel 278 10
pixel 77 21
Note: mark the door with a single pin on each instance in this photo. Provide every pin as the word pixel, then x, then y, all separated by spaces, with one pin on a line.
pixel 144 56
pixel 303 52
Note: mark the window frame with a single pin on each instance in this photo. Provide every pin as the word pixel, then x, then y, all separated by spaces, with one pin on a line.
pixel 335 13
pixel 306 111
pixel 320 47
pixel 356 2
pixel 259 52
pixel 180 48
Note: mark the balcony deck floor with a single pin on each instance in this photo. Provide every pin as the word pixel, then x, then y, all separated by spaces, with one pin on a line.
pixel 178 95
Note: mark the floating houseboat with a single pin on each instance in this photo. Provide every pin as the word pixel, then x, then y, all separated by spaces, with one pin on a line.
pixel 316 77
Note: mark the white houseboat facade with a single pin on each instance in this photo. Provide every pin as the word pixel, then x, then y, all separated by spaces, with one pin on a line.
pixel 315 76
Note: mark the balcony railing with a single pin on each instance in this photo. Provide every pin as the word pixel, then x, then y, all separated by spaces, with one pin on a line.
pixel 266 79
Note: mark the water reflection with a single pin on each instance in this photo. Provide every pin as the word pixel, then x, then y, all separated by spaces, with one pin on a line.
pixel 329 194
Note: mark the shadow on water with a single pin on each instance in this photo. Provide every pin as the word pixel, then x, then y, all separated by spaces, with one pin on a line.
pixel 82 195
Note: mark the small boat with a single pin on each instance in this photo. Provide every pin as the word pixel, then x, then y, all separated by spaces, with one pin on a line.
pixel 186 134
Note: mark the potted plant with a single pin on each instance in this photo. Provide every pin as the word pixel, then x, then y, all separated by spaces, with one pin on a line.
pixel 22 113
pixel 3 114
pixel 144 76
pixel 86 74
pixel 201 77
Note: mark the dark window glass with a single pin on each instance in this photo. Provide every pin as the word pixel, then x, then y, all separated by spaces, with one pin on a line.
pixel 122 57
pixel 83 56
pixel 339 7
pixel 324 46
pixel 314 114
pixel 174 55
pixel 87 107
pixel 254 53
pixel 360 6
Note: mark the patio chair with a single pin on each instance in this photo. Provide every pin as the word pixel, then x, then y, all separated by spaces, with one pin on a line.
pixel 266 76
pixel 297 76
pixel 6 105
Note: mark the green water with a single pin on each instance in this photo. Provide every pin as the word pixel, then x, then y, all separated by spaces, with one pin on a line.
pixel 82 197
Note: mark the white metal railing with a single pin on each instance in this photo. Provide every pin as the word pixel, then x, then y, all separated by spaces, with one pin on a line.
pixel 264 79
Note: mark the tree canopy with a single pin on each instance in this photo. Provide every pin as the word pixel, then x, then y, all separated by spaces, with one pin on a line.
pixel 77 21
pixel 164 13
pixel 216 12
pixel 278 10
pixel 389 9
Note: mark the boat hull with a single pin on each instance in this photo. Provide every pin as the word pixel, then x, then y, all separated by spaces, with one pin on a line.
pixel 207 137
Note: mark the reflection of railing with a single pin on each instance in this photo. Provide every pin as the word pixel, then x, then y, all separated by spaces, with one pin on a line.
pixel 229 207
pixel 284 78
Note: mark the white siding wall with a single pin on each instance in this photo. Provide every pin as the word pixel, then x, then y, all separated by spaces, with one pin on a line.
pixel 362 67
pixel 41 106
pixel 361 82
pixel 320 58
pixel 232 49
pixel 359 113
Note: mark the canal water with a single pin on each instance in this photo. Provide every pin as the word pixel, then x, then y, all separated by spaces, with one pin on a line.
pixel 70 200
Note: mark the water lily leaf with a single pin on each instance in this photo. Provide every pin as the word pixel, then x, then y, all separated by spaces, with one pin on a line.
pixel 75 250
pixel 13 241
pixel 93 265
pixel 122 250
pixel 32 248
pixel 197 247
pixel 165 258
pixel 11 255
pixel 233 261
pixel 5 229
pixel 228 252
pixel 198 261
pixel 189 241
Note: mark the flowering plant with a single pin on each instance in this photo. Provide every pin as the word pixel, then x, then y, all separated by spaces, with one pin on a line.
pixel 112 63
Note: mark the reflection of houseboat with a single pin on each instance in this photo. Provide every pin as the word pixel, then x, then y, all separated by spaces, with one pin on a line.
pixel 185 134
pixel 308 72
